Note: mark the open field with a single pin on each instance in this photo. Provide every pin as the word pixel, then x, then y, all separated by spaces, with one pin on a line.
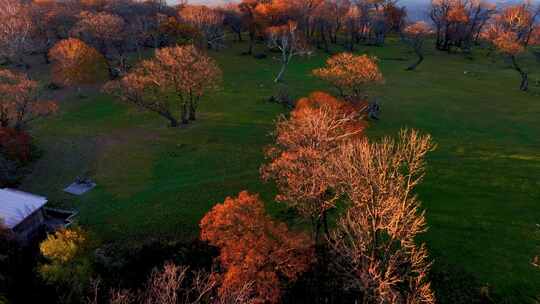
pixel 481 192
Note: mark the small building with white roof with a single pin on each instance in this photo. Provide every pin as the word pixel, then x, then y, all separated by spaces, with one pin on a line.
pixel 21 212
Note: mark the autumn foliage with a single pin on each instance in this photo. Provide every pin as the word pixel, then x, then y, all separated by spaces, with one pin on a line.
pixel 458 23
pixel 512 31
pixel 303 142
pixel 101 28
pixel 63 245
pixel 417 29
pixel 208 21
pixel 16 30
pixel 254 248
pixel 184 71
pixel 66 262
pixel 19 100
pixel 351 74
pixel 188 72
pixel 76 63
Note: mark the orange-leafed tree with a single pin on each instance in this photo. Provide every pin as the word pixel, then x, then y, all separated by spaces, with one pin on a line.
pixel 99 28
pixel 512 31
pixel 457 23
pixel 303 142
pixel 276 12
pixel 254 248
pixel 288 39
pixel 374 247
pixel 182 70
pixel 351 74
pixel 447 16
pixel 20 101
pixel 76 63
pixel 189 73
pixel 414 35
pixel 139 88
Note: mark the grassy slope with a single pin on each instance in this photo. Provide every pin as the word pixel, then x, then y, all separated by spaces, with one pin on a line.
pixel 482 191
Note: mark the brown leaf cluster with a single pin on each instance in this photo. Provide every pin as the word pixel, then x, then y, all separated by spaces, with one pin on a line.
pixel 19 100
pixel 183 71
pixel 102 25
pixel 254 248
pixel 351 74
pixel 76 63
pixel 420 28
pixel 513 29
pixel 317 126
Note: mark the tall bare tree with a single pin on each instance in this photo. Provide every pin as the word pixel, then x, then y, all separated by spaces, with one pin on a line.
pixel 374 242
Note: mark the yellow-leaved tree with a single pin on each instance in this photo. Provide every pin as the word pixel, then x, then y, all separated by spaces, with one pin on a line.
pixel 67 264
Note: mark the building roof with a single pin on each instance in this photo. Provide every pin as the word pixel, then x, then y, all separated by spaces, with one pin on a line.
pixel 15 206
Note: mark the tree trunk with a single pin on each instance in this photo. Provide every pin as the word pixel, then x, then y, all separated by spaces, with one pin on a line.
pixel 173 122
pixel 279 77
pixel 192 111
pixel 317 230
pixel 524 85
pixel 325 223
pixel 110 71
pixel 413 66
pixel 184 114
pixel 324 40
pixel 251 42
pixel 46 58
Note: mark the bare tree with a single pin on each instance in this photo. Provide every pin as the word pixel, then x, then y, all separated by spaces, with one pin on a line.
pixel 208 21
pixel 170 285
pixel 374 241
pixel 174 284
pixel 414 35
pixel 15 30
pixel 289 41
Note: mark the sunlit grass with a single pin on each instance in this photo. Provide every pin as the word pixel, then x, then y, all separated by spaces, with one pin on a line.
pixel 481 192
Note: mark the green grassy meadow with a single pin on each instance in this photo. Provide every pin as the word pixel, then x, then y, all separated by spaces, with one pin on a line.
pixel 481 191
